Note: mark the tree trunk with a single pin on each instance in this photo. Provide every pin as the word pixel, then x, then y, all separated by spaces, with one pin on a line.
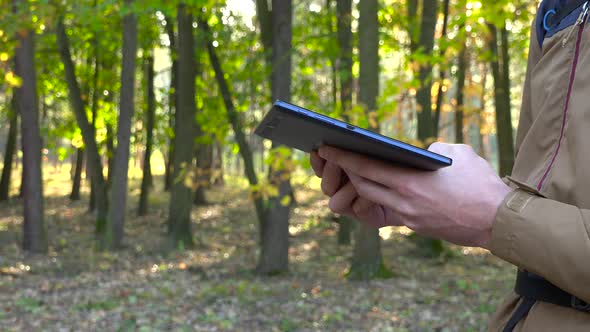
pixel 113 238
pixel 344 15
pixel 110 144
pixel 94 111
pixel 77 181
pixel 34 237
pixel 504 119
pixel 344 18
pixel 422 39
pixel 367 262
pixel 9 151
pixel 274 254
pixel 146 180
pixel 179 220
pixel 459 132
pixel 93 158
pixel 439 95
pixel 172 101
pixel 218 164
pixel 482 98
pixel 502 99
pixel 423 96
pixel 333 58
pixel 236 123
pixel 204 162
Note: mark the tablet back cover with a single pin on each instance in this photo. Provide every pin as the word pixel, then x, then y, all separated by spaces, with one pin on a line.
pixel 303 132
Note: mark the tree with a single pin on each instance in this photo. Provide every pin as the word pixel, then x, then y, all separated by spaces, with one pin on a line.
pixel 77 181
pixel 118 202
pixel 422 43
pixel 172 96
pixel 500 63
pixel 344 19
pixel 236 123
pixel 204 164
pixel 93 161
pixel 459 118
pixel 9 150
pixel 179 218
pixel 34 237
pixel 274 254
pixel 367 262
pixel 149 127
pixel 442 51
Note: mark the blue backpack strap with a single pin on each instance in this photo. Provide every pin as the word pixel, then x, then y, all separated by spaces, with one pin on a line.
pixel 546 8
pixel 556 15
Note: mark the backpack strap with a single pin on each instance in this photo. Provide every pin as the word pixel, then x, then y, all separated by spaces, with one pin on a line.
pixel 553 16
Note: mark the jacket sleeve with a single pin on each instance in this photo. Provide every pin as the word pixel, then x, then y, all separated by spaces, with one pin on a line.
pixel 546 237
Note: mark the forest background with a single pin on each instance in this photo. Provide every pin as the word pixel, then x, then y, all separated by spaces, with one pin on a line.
pixel 134 194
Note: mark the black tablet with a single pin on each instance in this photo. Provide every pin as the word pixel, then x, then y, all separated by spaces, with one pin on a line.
pixel 305 130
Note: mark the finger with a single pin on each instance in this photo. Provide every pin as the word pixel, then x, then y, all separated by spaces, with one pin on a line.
pixel 372 169
pixel 379 194
pixel 317 163
pixel 342 201
pixel 369 213
pixel 331 179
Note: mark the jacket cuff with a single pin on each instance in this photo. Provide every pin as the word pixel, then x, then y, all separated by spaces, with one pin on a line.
pixel 511 227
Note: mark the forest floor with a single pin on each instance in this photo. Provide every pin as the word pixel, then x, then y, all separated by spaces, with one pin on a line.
pixel 213 288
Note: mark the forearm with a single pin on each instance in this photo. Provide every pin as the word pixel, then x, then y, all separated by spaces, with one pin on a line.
pixel 545 237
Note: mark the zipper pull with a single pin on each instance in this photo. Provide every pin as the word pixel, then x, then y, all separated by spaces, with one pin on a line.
pixel 579 22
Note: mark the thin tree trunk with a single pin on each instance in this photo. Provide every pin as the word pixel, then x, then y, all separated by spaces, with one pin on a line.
pixel 482 98
pixel 204 162
pixel 502 100
pixel 34 237
pixel 93 158
pixel 77 181
pixel 333 59
pixel 426 130
pixel 274 254
pixel 172 102
pixel 9 151
pixel 439 95
pixel 146 180
pixel 94 111
pixel 179 221
pixel 235 122
pixel 114 236
pixel 344 18
pixel 422 39
pixel 367 261
pixel 218 164
pixel 459 118
pixel 504 120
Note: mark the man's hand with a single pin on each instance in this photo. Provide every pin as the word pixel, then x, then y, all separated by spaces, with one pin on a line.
pixel 457 204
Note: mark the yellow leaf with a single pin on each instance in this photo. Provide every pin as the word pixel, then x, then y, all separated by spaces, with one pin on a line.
pixel 13 80
pixel 188 181
pixel 3 56
pixel 286 201
pixel 272 191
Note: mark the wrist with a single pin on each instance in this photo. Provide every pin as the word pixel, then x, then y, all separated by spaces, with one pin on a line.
pixel 494 204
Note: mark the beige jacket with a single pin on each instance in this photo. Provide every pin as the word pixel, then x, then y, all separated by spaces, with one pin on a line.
pixel 544 225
